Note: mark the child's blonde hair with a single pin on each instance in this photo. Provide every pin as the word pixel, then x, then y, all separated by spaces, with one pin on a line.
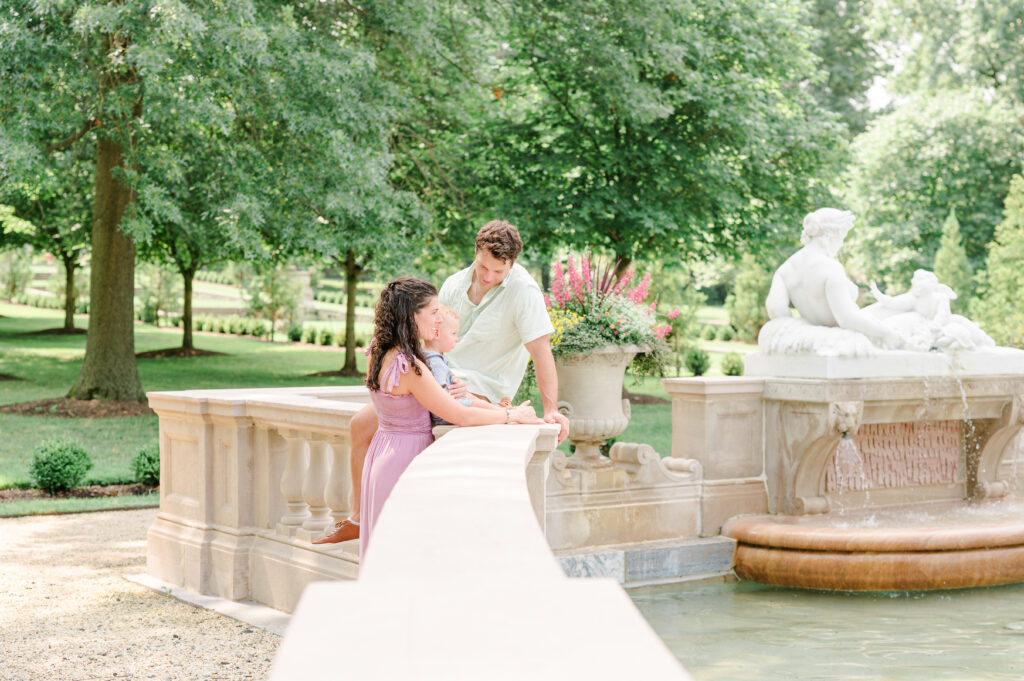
pixel 448 315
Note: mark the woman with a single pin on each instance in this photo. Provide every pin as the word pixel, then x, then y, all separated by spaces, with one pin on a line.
pixel 404 393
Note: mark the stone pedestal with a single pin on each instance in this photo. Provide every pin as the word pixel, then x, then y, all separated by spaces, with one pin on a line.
pixel 639 497
pixel 717 421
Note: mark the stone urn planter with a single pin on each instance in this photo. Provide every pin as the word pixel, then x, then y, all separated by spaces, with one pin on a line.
pixel 590 395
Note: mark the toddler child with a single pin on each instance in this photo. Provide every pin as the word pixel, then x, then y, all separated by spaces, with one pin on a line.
pixel 433 350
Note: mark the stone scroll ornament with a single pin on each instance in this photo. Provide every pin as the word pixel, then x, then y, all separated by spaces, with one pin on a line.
pixel 829 321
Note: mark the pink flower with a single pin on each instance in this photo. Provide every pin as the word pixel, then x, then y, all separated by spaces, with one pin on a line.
pixel 585 266
pixel 661 331
pixel 547 301
pixel 674 313
pixel 638 293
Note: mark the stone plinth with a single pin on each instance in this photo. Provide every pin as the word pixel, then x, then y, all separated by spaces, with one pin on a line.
pixel 717 421
pixel 888 364
pixel 638 497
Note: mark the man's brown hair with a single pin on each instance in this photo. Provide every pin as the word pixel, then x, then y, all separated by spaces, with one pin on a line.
pixel 501 239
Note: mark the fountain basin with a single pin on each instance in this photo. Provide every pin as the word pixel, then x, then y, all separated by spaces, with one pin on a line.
pixel 937 546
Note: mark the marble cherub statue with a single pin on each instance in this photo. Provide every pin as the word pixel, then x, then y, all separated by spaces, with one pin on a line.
pixel 922 317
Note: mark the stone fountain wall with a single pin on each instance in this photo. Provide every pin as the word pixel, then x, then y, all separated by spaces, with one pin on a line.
pixel 769 444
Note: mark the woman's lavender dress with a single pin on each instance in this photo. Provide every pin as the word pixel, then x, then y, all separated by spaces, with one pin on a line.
pixel 403 431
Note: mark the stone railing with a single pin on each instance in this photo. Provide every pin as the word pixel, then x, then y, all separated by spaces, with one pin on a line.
pixel 459 583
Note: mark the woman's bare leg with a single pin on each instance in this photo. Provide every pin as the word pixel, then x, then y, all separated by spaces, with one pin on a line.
pixel 362 427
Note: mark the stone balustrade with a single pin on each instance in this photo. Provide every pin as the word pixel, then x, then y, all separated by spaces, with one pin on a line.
pixel 248 478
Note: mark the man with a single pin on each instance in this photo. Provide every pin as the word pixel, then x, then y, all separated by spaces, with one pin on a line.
pixel 504 323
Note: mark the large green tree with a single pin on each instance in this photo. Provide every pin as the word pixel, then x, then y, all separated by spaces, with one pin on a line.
pixel 912 166
pixel 849 59
pixel 640 128
pixel 998 307
pixel 272 89
pixel 55 201
pixel 951 44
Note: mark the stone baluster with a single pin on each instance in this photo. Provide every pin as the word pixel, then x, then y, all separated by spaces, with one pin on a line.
pixel 292 483
pixel 339 483
pixel 314 485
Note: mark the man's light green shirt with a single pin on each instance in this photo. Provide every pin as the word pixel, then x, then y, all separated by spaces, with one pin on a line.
pixel 490 356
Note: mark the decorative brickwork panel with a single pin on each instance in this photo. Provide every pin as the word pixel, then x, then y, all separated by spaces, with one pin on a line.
pixel 911 454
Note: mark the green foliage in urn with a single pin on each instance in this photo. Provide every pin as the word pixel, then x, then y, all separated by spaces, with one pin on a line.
pixel 591 307
pixel 998 307
pixel 952 266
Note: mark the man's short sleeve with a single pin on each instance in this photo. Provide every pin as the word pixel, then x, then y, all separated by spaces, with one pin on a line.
pixel 531 315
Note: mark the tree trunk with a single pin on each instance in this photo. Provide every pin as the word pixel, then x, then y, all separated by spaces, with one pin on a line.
pixel 352 271
pixel 621 265
pixel 69 291
pixel 186 312
pixel 109 370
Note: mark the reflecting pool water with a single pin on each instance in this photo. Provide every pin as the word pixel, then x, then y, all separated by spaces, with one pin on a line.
pixel 741 630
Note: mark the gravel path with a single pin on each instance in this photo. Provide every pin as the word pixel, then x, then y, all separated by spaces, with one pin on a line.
pixel 68 614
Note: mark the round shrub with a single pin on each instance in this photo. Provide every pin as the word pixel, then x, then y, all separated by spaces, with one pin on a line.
pixel 60 464
pixel 309 335
pixel 725 333
pixel 295 333
pixel 326 337
pixel 708 332
pixel 147 465
pixel 732 364
pixel 697 361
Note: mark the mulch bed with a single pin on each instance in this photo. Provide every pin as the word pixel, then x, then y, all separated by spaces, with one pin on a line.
pixel 18 494
pixel 65 407
pixel 176 352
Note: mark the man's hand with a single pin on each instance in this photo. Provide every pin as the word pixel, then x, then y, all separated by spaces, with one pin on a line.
pixel 563 423
pixel 457 389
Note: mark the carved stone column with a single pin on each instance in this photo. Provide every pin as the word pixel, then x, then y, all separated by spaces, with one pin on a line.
pixel 292 482
pixel 339 483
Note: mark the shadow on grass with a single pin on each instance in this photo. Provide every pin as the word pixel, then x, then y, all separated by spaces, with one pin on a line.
pixel 58 331
pixel 178 352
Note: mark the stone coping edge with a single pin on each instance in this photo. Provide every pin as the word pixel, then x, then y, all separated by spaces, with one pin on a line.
pixel 254 614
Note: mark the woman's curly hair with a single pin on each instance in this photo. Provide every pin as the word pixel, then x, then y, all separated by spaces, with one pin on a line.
pixel 394 324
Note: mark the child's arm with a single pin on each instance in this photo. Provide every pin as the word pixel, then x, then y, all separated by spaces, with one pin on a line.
pixel 484 404
pixel 903 302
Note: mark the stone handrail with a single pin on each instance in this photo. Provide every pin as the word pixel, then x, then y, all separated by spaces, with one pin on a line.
pixel 458 582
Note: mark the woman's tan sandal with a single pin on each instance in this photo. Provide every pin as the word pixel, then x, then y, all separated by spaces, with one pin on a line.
pixel 344 531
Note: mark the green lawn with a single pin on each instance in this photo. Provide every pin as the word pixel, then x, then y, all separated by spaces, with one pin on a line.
pixel 48 365
pixel 40 506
